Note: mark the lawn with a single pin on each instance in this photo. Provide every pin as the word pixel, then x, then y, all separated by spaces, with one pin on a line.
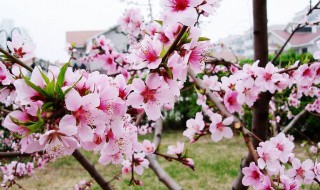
pixel 217 165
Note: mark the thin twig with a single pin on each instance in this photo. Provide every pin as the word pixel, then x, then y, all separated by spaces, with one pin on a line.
pixel 175 43
pixel 87 165
pixel 15 60
pixel 299 26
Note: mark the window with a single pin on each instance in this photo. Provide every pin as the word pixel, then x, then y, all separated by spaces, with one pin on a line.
pixel 304 50
pixel 305 29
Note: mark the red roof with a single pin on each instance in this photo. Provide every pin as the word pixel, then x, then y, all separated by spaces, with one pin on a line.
pixel 80 37
pixel 298 38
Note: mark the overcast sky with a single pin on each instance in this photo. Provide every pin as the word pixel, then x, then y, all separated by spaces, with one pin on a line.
pixel 47 21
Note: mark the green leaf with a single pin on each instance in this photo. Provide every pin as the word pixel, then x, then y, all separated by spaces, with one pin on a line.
pixel 60 80
pixel 35 87
pixel 50 88
pixel 159 21
pixel 17 136
pixel 48 106
pixel 20 123
pixel 185 154
pixel 169 73
pixel 201 39
pixel 45 78
pixel 164 51
pixel 35 127
pixel 71 87
pixel 130 80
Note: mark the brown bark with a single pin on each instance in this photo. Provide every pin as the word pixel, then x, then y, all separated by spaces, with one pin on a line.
pixel 86 164
pixel 162 175
pixel 261 106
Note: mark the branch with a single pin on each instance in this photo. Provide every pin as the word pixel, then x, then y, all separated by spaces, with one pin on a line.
pixel 315 114
pixel 139 118
pixel 293 68
pixel 175 42
pixel 293 32
pixel 287 41
pixel 294 121
pixel 15 154
pixel 15 60
pixel 224 62
pixel 210 95
pixel 91 170
pixel 162 175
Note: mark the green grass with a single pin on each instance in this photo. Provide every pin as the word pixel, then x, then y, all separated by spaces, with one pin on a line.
pixel 217 164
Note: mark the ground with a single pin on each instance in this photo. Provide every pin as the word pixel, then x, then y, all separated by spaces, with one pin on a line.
pixel 217 165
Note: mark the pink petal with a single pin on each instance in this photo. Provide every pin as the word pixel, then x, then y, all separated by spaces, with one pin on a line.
pixel 90 101
pixel 135 99
pixel 68 126
pixel 85 133
pixel 73 100
pixel 228 120
pixel 153 81
pixel 138 85
pixel 227 132
pixel 153 110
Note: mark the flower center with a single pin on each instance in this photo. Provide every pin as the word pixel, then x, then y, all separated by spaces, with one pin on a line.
pixel 179 5
pixel 148 95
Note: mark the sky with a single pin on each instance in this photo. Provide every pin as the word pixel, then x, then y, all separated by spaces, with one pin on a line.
pixel 47 21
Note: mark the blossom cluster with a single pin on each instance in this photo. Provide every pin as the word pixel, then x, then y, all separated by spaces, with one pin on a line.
pixel 244 85
pixel 278 168
pixel 18 169
pixel 62 110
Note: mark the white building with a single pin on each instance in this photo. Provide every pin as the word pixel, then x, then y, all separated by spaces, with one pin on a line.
pixel 7 30
pixel 304 40
pixel 119 40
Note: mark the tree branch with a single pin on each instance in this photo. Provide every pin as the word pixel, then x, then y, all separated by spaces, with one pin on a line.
pixel 162 175
pixel 293 32
pixel 15 60
pixel 91 170
pixel 14 154
pixel 175 42
pixel 294 121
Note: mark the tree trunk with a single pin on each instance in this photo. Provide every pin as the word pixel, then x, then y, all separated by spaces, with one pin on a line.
pixel 261 106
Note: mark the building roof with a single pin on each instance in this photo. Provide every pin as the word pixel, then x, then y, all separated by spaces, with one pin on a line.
pixel 298 39
pixel 80 37
pixel 226 54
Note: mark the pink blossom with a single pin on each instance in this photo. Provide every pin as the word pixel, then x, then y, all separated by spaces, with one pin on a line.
pixel 20 48
pixel 252 176
pixel 140 163
pixel 194 126
pixel 268 157
pixel 284 146
pixel 247 92
pixel 182 11
pixel 212 82
pixel 58 142
pixel 267 77
pixel 178 66
pixel 289 183
pixel 131 22
pixel 176 149
pixel 209 6
pixel 219 129
pixel 304 75
pixel 230 101
pixel 146 53
pixel 302 172
pixel 84 110
pixel 5 76
pixel 148 147
pixel 150 95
